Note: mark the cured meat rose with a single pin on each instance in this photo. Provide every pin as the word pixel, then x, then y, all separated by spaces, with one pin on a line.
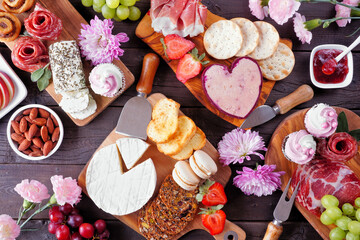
pixel 43 24
pixel 340 147
pixel 29 54
pixel 320 177
pixel 10 27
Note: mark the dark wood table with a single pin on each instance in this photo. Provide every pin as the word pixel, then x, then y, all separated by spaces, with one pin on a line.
pixel 249 212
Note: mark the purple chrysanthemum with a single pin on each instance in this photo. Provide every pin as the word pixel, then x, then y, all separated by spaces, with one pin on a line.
pixel 261 182
pixel 238 144
pixel 97 43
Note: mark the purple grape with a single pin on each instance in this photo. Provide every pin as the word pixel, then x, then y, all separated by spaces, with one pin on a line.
pixel 75 220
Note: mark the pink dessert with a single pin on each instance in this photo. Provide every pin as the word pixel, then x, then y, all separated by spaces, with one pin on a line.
pixel 321 120
pixel 299 147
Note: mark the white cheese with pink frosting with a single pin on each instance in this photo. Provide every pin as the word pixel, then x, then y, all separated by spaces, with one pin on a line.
pixel 321 120
pixel 299 147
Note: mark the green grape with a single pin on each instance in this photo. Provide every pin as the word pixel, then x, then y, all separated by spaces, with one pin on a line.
pixel 134 13
pixel 107 12
pixel 337 234
pixel 87 3
pixel 329 201
pixel 122 12
pixel 116 18
pixel 112 3
pixel 343 222
pixel 357 202
pixel 354 227
pixel 333 212
pixel 357 214
pixel 351 236
pixel 325 219
pixel 348 209
pixel 99 2
pixel 97 8
pixel 128 3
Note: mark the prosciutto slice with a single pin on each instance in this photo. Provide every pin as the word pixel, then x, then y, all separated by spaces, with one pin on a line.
pixel 340 147
pixel 320 177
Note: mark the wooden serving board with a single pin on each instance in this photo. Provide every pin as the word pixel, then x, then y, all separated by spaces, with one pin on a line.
pixel 146 33
pixel 164 166
pixel 274 155
pixel 72 21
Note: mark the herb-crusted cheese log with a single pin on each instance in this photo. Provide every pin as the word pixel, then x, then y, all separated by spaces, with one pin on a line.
pixel 66 66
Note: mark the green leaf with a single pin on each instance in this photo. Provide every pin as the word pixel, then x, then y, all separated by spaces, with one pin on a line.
pixel 202 56
pixel 36 75
pixel 43 82
pixel 205 62
pixel 355 134
pixel 218 207
pixel 199 197
pixel 195 52
pixel 164 46
pixel 342 123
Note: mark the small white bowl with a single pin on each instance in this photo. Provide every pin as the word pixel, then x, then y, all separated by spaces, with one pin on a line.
pixel 14 145
pixel 349 76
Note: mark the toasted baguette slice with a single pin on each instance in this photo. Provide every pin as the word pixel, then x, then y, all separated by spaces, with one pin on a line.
pixel 197 142
pixel 185 131
pixel 164 120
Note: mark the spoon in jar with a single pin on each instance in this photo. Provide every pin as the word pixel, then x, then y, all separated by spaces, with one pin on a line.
pixel 329 66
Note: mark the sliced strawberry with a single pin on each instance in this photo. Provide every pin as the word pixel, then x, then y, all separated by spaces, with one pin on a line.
pixel 190 66
pixel 213 219
pixel 5 92
pixel 211 194
pixel 9 84
pixel 176 47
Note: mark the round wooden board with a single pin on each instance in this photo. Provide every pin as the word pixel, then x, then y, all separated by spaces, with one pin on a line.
pixel 274 155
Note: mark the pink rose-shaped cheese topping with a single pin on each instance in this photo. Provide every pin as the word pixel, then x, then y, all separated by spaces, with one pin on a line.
pixel 321 120
pixel 299 147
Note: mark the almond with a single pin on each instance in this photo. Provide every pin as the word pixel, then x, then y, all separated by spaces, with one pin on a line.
pixel 32 131
pixel 24 145
pixel 17 137
pixel 34 148
pixel 54 120
pixel 44 113
pixel 27 136
pixel 27 111
pixel 39 121
pixel 36 154
pixel 23 125
pixel 44 133
pixel 15 126
pixel 28 119
pixel 48 146
pixel 56 134
pixel 33 113
pixel 27 151
pixel 37 134
pixel 50 125
pixel 37 142
pixel 18 118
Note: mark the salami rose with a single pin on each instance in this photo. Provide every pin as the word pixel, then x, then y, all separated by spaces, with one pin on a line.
pixel 340 147
pixel 43 24
pixel 29 54
pixel 10 27
pixel 17 6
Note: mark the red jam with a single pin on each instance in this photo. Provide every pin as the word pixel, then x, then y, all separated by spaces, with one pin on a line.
pixel 341 69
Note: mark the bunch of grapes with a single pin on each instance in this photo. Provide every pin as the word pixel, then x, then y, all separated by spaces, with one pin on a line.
pixel 346 219
pixel 67 224
pixel 117 9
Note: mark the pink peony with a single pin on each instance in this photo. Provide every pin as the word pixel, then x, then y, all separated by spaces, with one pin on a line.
pixel 33 192
pixel 342 11
pixel 9 230
pixel 282 10
pixel 66 190
pixel 257 9
pixel 299 27
pixel 260 182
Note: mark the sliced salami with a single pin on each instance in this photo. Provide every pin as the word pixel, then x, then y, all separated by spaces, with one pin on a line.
pixel 43 24
pixel 29 54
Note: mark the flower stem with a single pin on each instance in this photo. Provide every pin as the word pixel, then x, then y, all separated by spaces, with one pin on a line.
pixel 332 2
pixel 36 212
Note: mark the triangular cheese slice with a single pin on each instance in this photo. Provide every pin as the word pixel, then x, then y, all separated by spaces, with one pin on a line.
pixel 131 150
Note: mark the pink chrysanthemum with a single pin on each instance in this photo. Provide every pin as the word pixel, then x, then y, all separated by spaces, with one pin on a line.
pixel 300 29
pixel 238 144
pixel 66 190
pixel 257 9
pixel 33 191
pixel 282 10
pixel 261 182
pixel 97 43
pixel 9 230
pixel 342 11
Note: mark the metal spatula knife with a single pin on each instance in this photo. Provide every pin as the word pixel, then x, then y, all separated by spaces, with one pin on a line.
pixel 136 113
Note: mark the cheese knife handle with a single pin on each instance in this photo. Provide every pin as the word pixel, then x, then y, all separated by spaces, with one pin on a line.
pixel 303 94
pixel 273 231
pixel 149 67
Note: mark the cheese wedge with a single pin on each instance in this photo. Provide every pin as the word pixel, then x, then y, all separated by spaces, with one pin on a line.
pixel 131 150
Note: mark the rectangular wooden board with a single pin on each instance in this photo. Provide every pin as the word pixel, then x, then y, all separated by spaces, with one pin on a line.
pixel 146 33
pixel 164 166
pixel 72 21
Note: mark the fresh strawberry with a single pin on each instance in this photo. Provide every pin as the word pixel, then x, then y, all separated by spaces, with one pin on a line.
pixel 176 47
pixel 213 219
pixel 190 66
pixel 211 194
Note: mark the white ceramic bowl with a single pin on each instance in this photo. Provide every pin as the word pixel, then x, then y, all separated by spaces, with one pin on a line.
pixel 349 76
pixel 14 145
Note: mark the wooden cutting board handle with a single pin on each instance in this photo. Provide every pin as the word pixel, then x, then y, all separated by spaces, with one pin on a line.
pixel 273 232
pixel 303 94
pixel 231 232
pixel 150 64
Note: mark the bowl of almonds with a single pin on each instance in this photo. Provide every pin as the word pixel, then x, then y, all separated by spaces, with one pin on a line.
pixel 35 132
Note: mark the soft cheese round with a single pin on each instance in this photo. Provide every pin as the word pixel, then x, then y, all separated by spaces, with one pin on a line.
pixel 202 164
pixel 299 147
pixel 321 120
pixel 184 176
pixel 88 111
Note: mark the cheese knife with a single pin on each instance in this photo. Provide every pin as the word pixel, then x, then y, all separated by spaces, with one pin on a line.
pixel 265 113
pixel 136 113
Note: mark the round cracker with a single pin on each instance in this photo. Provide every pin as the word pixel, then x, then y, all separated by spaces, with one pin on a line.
pixel 223 39
pixel 269 40
pixel 250 35
pixel 279 65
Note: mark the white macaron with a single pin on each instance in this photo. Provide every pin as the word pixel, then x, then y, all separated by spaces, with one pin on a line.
pixel 202 164
pixel 184 176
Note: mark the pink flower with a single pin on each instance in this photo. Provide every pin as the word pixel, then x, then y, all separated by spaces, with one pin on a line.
pixel 260 182
pixel 238 144
pixel 66 190
pixel 300 29
pixel 33 192
pixel 9 230
pixel 257 9
pixel 342 11
pixel 97 43
pixel 282 10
